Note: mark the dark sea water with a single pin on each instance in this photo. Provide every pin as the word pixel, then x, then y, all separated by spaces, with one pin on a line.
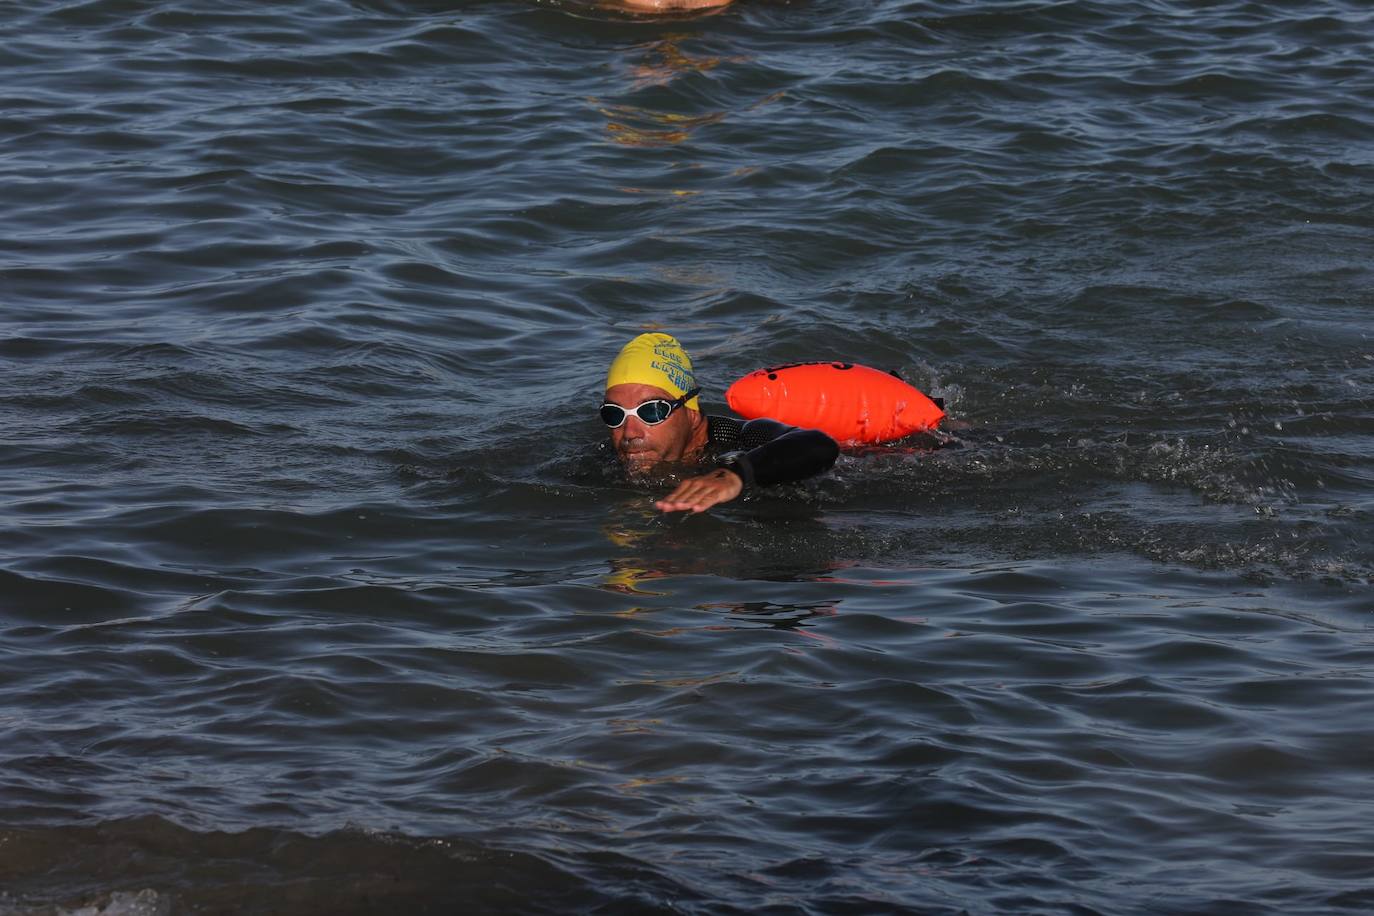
pixel 319 593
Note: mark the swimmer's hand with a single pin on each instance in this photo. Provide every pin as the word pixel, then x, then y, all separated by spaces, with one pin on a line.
pixel 701 493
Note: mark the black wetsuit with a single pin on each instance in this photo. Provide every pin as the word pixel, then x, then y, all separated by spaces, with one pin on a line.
pixel 764 452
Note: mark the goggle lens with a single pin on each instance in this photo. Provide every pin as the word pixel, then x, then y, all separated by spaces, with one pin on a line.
pixel 651 413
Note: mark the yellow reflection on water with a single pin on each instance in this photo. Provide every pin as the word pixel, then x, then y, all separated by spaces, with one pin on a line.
pixel 664 61
pixel 625 574
pixel 633 726
pixel 724 677
pixel 639 782
pixel 630 125
pixel 626 578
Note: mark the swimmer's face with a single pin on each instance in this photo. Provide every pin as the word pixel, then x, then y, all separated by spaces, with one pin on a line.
pixel 640 446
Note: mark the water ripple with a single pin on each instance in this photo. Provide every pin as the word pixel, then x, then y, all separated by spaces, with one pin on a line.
pixel 318 594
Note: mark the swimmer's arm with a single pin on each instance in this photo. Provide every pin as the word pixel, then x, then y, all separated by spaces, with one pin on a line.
pixel 697 494
pixel 795 454
pixel 792 454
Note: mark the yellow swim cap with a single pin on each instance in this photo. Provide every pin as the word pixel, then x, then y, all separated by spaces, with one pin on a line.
pixel 658 360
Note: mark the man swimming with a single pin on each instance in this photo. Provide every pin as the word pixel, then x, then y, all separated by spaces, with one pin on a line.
pixel 656 425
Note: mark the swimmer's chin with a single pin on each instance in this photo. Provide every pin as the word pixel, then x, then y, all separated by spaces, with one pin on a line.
pixel 651 470
pixel 645 471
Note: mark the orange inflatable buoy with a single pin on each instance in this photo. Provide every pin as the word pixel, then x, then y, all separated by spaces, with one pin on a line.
pixel 850 403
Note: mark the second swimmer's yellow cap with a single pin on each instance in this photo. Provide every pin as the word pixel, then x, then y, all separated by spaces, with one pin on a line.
pixel 658 360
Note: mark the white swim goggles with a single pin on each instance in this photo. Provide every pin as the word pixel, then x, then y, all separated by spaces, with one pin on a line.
pixel 650 413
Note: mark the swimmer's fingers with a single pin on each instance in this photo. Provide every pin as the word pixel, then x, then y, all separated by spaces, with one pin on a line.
pixel 697 494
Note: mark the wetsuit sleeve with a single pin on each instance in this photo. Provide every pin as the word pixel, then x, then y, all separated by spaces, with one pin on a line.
pixel 784 453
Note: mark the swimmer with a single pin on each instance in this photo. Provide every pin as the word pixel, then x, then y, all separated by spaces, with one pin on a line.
pixel 656 425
